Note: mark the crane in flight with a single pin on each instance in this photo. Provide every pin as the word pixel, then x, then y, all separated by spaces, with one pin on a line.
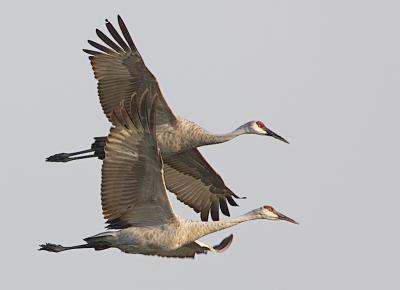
pixel 121 72
pixel 134 197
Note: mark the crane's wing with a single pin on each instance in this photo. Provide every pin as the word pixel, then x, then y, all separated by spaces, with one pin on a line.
pixel 120 72
pixel 197 247
pixel 132 190
pixel 196 184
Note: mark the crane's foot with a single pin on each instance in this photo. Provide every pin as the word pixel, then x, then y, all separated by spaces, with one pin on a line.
pixel 51 248
pixel 58 248
pixel 60 157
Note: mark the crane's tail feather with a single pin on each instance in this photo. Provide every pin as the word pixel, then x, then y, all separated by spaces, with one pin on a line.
pixel 96 150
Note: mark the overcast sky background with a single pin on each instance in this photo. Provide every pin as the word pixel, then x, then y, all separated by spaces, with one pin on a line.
pixel 323 74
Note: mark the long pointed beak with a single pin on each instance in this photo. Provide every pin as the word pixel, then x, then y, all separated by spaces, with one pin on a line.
pixel 285 218
pixel 271 133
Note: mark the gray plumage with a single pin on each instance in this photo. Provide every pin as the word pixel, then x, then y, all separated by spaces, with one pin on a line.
pixel 134 197
pixel 121 72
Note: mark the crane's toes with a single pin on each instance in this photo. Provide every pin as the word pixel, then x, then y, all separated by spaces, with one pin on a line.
pixel 60 157
pixel 51 248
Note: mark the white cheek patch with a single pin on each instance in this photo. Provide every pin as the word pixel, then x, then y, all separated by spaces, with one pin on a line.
pixel 257 129
pixel 272 215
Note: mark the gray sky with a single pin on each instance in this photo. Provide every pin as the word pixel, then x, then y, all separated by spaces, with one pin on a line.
pixel 323 74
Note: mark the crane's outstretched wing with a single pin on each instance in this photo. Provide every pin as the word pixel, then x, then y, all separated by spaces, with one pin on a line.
pixel 132 189
pixel 197 247
pixel 196 184
pixel 121 72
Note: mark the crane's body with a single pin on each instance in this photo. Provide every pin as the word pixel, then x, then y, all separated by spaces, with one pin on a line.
pixel 121 73
pixel 162 238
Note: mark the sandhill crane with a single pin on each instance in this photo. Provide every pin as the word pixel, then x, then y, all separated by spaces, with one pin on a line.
pixel 134 198
pixel 121 72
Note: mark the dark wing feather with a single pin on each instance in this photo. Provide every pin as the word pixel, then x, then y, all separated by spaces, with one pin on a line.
pixel 196 184
pixel 116 36
pixel 121 72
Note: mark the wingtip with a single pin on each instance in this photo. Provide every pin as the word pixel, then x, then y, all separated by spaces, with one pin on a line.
pixel 91 52
pixel 224 245
pixel 238 197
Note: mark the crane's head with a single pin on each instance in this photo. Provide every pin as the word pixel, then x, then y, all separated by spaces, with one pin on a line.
pixel 259 128
pixel 268 212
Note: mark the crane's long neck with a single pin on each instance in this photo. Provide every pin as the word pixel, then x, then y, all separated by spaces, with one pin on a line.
pixel 190 135
pixel 221 138
pixel 200 229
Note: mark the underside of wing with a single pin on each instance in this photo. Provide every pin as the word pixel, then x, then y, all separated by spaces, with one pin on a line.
pixel 133 192
pixel 196 184
pixel 121 72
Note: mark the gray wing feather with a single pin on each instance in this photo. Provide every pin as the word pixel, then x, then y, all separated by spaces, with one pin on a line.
pixel 121 72
pixel 133 190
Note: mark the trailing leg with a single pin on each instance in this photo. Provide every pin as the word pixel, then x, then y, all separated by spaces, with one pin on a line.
pixel 96 150
pixel 98 242
pixel 59 248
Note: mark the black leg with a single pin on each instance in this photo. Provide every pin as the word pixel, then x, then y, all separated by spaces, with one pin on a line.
pixel 65 157
pixel 58 248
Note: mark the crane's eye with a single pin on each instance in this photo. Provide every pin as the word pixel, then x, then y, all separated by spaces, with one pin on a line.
pixel 268 207
pixel 260 124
